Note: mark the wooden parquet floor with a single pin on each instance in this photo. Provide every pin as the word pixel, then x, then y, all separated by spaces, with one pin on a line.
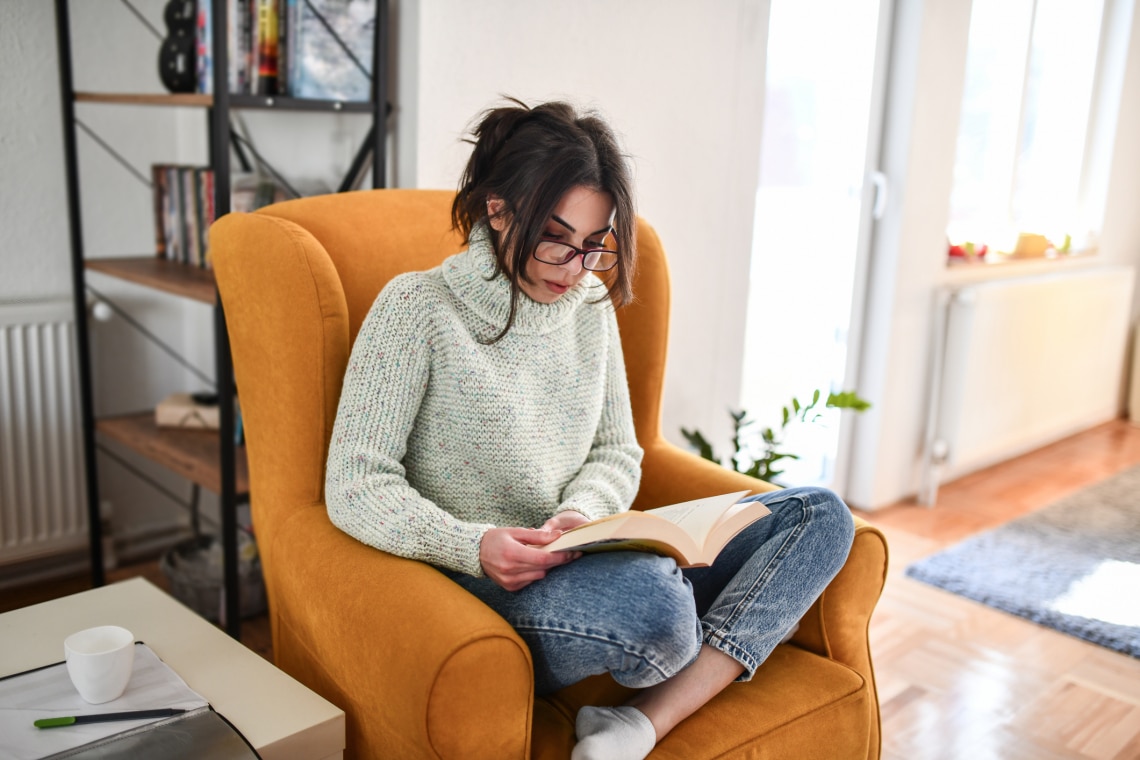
pixel 961 681
pixel 957 680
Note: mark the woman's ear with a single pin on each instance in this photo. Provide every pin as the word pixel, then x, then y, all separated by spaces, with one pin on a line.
pixel 495 215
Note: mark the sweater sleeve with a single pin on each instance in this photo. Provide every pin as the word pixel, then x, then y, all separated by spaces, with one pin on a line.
pixel 366 490
pixel 608 481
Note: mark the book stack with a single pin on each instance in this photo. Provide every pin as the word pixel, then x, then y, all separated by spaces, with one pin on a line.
pixel 316 49
pixel 183 212
pixel 184 208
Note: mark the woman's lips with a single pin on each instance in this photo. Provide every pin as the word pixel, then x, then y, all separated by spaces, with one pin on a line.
pixel 557 287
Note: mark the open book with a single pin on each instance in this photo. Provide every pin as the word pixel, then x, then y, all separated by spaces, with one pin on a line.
pixel 693 533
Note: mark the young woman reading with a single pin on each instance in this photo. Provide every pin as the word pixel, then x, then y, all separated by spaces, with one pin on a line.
pixel 485 409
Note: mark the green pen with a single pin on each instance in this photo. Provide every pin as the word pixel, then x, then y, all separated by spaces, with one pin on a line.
pixel 71 720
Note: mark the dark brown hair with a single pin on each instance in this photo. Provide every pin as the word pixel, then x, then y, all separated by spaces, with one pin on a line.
pixel 530 157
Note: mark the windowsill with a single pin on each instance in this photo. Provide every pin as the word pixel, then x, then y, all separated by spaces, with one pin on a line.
pixel 1002 267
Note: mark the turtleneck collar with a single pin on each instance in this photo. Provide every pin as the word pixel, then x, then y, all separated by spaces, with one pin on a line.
pixel 471 277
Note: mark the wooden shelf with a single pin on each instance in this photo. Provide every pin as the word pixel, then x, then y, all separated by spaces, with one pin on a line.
pixel 193 454
pixel 198 100
pixel 146 99
pixel 161 274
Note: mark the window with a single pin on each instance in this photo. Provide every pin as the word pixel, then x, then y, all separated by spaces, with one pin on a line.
pixel 1024 164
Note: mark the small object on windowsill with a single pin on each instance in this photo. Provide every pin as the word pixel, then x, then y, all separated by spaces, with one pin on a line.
pixel 1033 246
pixel 968 251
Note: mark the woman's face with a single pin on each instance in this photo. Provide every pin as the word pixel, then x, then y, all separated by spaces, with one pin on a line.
pixel 582 218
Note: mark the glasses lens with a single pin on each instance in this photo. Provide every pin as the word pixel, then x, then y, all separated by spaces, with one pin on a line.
pixel 554 253
pixel 600 260
pixel 596 259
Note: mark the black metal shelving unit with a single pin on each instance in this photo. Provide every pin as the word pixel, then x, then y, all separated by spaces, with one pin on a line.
pixel 226 474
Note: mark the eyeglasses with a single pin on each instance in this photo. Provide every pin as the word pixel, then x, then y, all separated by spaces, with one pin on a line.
pixel 593 259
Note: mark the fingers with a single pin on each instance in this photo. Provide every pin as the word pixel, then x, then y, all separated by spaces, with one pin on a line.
pixel 564 521
pixel 509 558
pixel 519 582
pixel 536 536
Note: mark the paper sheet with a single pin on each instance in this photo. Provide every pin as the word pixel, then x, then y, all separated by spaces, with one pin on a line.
pixel 48 692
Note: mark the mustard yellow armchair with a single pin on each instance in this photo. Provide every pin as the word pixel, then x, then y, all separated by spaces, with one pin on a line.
pixel 421 668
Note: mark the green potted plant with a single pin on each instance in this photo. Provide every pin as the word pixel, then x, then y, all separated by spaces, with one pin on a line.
pixel 763 460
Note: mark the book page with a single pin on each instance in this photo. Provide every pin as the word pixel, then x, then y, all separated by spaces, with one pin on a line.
pixel 603 534
pixel 684 527
pixel 737 518
pixel 699 517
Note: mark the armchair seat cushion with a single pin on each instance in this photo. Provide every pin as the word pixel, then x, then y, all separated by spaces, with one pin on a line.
pixel 746 720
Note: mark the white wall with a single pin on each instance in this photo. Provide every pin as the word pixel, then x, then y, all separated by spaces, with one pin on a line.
pixel 682 83
pixel 34 246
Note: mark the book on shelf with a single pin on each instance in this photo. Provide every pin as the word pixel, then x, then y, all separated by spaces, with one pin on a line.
pixel 331 52
pixel 204 44
pixel 185 207
pixel 314 49
pixel 693 533
pixel 183 212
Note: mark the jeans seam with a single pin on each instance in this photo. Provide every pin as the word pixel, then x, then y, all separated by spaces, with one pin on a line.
pixel 718 642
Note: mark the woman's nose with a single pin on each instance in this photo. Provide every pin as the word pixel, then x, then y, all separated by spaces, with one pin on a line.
pixel 574 264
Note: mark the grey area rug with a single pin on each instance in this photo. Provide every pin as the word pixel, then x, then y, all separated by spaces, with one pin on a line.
pixel 1073 566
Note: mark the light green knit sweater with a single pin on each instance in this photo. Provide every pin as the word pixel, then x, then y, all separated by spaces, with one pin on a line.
pixel 439 438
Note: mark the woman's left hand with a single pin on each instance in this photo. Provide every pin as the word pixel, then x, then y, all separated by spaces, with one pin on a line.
pixel 564 521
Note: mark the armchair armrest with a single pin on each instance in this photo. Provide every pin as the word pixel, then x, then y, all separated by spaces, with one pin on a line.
pixel 442 676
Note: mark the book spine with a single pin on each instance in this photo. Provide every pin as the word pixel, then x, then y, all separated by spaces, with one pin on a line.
pixel 251 37
pixel 208 215
pixel 173 205
pixel 267 47
pixel 205 48
pixel 292 25
pixel 190 215
pixel 232 45
pixel 282 47
pixel 158 186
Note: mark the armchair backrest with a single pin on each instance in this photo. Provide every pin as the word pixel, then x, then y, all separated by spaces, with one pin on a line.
pixel 296 281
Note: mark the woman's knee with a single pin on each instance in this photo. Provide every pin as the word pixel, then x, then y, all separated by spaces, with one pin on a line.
pixel 829 521
pixel 660 614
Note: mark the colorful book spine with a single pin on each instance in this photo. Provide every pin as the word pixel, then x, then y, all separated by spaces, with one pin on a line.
pixel 267 47
pixel 204 38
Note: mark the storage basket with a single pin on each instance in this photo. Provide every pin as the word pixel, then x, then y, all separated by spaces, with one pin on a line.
pixel 195 566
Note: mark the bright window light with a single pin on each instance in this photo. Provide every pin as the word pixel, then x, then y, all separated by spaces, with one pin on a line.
pixel 1031 74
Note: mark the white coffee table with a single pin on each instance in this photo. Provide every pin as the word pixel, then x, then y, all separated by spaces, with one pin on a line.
pixel 278 716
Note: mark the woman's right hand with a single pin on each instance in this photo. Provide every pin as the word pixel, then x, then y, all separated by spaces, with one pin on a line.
pixel 510 559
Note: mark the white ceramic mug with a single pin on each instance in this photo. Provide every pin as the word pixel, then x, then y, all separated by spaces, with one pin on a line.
pixel 99 661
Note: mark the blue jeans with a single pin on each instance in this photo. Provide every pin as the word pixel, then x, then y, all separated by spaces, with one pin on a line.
pixel 641 619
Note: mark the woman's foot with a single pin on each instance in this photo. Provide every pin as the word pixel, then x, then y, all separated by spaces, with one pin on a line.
pixel 613 733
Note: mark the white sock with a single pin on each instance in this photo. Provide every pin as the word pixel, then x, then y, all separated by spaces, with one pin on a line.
pixel 613 733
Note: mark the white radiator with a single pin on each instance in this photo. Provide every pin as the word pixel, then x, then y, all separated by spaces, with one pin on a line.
pixel 1022 362
pixel 42 504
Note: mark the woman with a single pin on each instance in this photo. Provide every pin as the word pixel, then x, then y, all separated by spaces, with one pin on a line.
pixel 485 410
